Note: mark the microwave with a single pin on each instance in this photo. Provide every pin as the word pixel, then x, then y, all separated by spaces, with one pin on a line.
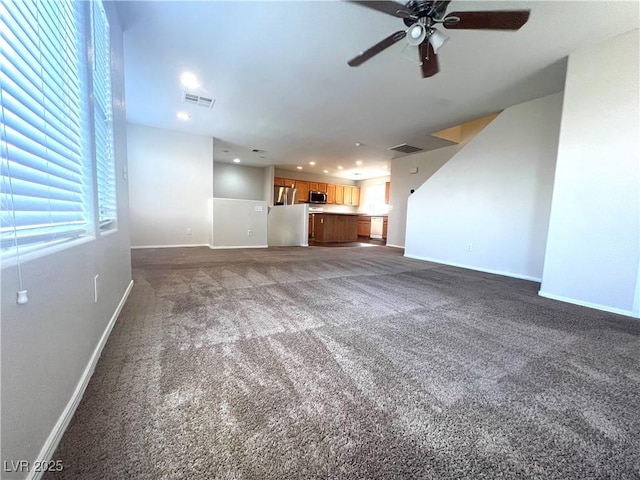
pixel 317 197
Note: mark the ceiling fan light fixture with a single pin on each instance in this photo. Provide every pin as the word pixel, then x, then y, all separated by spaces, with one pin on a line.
pixel 416 34
pixel 437 39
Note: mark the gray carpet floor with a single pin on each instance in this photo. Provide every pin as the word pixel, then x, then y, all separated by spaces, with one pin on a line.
pixel 353 363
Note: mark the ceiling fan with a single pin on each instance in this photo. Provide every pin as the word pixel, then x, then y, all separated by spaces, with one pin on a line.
pixel 421 18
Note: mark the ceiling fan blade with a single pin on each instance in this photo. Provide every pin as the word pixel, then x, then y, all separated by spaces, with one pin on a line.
pixel 390 8
pixel 377 48
pixel 429 60
pixel 488 20
pixel 439 8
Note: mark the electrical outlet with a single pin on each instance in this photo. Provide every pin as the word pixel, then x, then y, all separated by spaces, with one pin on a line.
pixel 250 232
pixel 188 231
pixel 469 247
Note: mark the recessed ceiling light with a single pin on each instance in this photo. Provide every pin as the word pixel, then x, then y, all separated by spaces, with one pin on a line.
pixel 312 163
pixel 299 167
pixel 189 80
pixel 358 144
pixel 183 115
pixel 339 167
pixel 359 162
pixel 236 160
pixel 326 171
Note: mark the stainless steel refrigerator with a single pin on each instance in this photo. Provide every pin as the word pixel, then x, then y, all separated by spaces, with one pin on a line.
pixel 284 195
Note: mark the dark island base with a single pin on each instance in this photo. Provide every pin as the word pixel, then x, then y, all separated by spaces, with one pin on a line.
pixel 335 227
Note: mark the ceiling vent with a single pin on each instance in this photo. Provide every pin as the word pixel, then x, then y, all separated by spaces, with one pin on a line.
pixel 404 148
pixel 198 100
pixel 257 150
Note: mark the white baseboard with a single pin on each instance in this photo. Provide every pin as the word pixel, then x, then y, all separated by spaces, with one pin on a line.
pixel 394 246
pixel 469 267
pixel 50 445
pixel 582 303
pixel 236 246
pixel 170 246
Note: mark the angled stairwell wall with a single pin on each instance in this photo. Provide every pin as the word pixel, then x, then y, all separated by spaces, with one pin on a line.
pixel 488 207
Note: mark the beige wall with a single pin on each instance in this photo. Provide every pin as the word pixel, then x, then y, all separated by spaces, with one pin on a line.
pixel 402 182
pixel 488 207
pixel 49 342
pixel 170 183
pixel 593 248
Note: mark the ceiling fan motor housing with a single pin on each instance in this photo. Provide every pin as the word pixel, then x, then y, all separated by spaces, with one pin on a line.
pixel 424 9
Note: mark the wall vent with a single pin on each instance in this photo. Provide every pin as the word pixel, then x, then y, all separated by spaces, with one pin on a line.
pixel 404 148
pixel 198 100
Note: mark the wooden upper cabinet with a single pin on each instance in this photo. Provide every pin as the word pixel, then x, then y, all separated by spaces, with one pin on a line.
pixel 331 194
pixel 347 195
pixel 313 186
pixel 302 187
pixel 322 187
pixel 387 189
pixel 287 182
pixel 355 196
pixel 278 182
pixel 339 194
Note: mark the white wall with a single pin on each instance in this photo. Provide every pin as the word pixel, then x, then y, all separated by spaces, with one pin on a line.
pixel 170 183
pixel 402 182
pixel 363 184
pixel 592 255
pixel 494 194
pixel 313 177
pixel 238 181
pixel 48 342
pixel 231 221
pixel 267 185
pixel 288 226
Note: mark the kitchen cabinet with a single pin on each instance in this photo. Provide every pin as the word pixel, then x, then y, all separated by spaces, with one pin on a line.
pixel 339 195
pixel 387 190
pixel 346 195
pixel 278 182
pixel 384 228
pixel 355 196
pixel 302 187
pixel 322 187
pixel 364 226
pixel 331 194
pixel 313 186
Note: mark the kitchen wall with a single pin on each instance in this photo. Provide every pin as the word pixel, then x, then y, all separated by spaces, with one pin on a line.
pixel 592 253
pixel 488 207
pixel 403 181
pixel 318 177
pixel 170 183
pixel 48 344
pixel 313 177
pixel 239 181
pixel 365 207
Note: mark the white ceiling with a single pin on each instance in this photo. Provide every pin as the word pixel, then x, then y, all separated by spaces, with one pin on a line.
pixel 278 73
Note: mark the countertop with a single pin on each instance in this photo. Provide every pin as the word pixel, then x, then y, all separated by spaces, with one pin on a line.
pixel 356 214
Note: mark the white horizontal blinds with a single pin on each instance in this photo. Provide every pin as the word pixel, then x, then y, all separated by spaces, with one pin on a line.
pixel 44 196
pixel 103 117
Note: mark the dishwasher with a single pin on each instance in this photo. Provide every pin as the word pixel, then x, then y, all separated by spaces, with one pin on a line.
pixel 376 227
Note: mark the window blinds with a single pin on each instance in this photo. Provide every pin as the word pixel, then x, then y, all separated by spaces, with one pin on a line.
pixel 103 117
pixel 45 194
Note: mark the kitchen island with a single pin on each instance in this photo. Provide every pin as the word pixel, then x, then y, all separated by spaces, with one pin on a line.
pixel 334 227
